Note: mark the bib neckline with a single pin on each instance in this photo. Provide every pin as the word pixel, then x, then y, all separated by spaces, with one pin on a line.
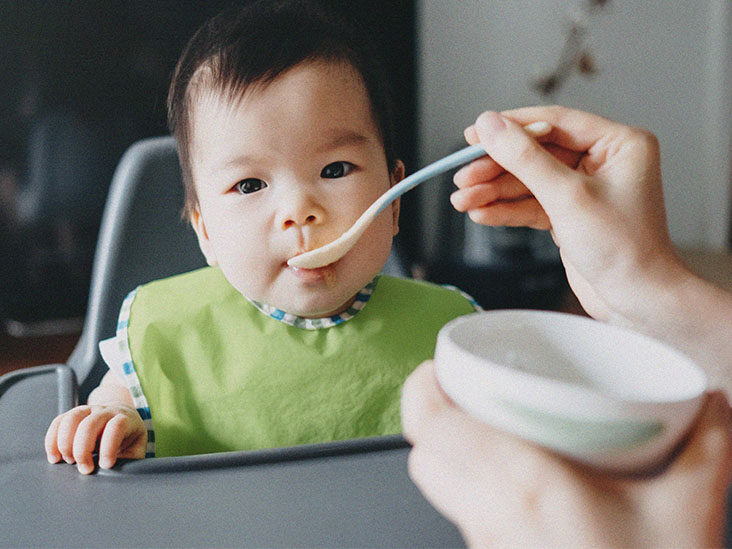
pixel 362 297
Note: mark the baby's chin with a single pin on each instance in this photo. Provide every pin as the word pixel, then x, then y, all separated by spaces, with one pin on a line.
pixel 308 299
pixel 319 310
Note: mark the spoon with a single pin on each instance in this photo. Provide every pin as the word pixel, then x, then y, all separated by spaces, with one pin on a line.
pixel 325 255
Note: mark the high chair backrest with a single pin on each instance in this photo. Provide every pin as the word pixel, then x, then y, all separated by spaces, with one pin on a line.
pixel 142 238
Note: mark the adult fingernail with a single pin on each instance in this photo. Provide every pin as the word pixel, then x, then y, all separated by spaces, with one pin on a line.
pixel 490 121
pixel 470 133
pixel 459 176
pixel 455 200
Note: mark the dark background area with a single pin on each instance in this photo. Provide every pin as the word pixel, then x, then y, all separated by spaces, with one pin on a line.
pixel 81 81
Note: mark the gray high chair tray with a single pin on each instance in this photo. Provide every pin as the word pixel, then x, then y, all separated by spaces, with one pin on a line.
pixel 349 493
pixel 344 494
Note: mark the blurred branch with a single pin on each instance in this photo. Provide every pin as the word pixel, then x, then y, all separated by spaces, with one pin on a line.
pixel 573 55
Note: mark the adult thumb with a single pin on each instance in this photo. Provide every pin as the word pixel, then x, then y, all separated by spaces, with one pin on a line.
pixel 514 149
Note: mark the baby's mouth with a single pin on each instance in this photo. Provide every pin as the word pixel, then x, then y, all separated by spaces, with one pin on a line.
pixel 325 274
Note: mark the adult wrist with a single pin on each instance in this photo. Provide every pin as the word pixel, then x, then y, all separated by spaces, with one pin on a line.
pixel 649 294
pixel 689 313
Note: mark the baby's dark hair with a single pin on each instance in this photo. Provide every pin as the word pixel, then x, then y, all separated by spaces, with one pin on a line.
pixel 257 43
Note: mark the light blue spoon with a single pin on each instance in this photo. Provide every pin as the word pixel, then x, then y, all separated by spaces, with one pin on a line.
pixel 336 249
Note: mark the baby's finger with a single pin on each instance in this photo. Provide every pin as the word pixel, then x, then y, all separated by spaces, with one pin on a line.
pixel 110 447
pixel 506 187
pixel 525 212
pixel 85 440
pixel 51 441
pixel 67 430
pixel 111 441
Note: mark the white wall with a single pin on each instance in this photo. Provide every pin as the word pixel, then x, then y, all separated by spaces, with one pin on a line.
pixel 662 65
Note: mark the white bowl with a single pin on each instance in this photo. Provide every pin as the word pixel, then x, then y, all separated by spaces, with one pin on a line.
pixel 603 395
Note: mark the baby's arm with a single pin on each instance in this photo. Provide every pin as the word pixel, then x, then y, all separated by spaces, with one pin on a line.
pixel 109 417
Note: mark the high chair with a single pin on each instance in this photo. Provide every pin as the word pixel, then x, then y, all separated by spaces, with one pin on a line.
pixel 346 493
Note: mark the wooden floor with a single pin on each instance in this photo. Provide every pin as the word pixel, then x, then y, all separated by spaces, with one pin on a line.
pixel 22 352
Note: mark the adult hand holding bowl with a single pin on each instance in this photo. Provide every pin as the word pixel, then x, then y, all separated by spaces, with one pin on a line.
pixel 600 394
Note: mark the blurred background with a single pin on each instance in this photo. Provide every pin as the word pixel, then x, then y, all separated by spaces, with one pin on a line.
pixel 83 79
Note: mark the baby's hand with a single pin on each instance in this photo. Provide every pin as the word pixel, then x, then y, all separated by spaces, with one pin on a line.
pixel 73 436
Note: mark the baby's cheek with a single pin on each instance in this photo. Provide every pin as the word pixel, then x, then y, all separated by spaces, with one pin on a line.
pixel 250 278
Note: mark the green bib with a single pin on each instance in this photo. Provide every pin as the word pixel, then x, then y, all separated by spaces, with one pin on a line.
pixel 220 375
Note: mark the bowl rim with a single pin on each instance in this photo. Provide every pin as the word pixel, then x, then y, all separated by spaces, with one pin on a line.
pixel 554 385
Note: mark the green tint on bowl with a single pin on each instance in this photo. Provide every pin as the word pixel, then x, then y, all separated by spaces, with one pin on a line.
pixel 584 435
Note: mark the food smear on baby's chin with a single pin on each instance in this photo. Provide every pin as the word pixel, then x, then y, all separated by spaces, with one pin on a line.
pixel 318 275
pixel 330 276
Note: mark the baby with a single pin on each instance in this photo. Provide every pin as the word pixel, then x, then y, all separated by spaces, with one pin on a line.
pixel 284 135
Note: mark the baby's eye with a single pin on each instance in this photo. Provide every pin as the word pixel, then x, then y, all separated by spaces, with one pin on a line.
pixel 336 170
pixel 251 185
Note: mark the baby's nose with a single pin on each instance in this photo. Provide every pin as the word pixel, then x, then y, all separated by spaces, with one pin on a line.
pixel 301 213
pixel 311 219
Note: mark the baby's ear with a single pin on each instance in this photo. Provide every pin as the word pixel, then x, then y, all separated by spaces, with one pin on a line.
pixel 397 174
pixel 203 241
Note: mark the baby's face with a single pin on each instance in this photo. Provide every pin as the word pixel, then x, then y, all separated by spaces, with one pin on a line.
pixel 287 169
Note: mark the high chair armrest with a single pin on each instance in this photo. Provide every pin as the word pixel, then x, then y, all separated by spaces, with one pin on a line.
pixel 29 400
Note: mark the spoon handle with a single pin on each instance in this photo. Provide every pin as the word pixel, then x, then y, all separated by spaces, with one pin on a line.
pixel 463 156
